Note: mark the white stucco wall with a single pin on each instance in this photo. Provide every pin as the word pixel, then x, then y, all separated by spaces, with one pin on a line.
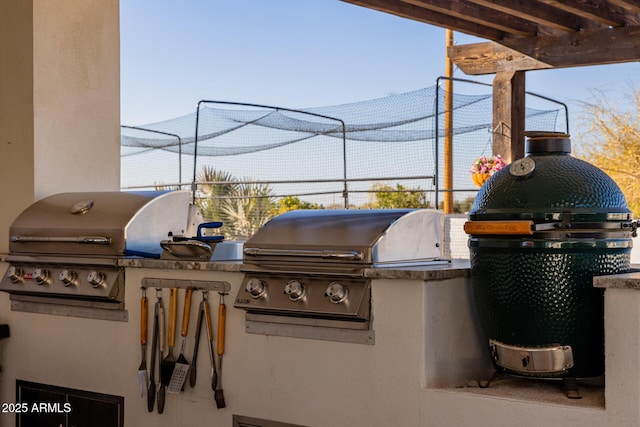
pixel 426 346
pixel 76 63
pixel 60 103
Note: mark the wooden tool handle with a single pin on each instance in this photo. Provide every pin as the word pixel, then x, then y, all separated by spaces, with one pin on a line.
pixel 207 317
pixel 144 316
pixel 222 319
pixel 173 312
pixel 186 312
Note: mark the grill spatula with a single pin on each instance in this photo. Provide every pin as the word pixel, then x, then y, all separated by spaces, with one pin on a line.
pixel 169 362
pixel 181 369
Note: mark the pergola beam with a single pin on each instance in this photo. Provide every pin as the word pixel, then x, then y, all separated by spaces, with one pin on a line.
pixel 608 46
pixel 420 14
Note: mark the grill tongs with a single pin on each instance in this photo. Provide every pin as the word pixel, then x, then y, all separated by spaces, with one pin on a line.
pixel 156 392
pixel 204 316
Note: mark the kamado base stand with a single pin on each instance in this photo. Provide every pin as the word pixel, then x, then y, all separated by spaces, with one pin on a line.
pixel 569 384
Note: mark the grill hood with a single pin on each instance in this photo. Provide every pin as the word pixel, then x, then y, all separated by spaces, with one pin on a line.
pixel 351 237
pixel 306 269
pixel 65 249
pixel 100 223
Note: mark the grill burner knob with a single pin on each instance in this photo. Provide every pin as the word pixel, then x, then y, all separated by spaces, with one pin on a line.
pixel 96 279
pixel 68 277
pixel 337 292
pixel 42 276
pixel 15 274
pixel 256 288
pixel 295 290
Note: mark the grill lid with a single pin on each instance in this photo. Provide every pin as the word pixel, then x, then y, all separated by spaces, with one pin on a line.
pixel 553 190
pixel 100 223
pixel 362 237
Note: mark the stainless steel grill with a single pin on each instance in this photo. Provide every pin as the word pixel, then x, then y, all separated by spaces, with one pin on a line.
pixel 68 245
pixel 308 265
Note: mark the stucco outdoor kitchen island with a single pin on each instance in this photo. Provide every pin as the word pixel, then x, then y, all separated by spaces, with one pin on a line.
pixel 421 369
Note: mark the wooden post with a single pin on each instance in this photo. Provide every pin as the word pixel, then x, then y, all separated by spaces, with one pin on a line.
pixel 509 115
pixel 448 130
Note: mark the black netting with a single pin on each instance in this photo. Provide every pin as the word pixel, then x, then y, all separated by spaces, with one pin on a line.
pixel 389 141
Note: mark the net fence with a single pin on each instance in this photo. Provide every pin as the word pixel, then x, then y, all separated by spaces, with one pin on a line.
pixel 373 153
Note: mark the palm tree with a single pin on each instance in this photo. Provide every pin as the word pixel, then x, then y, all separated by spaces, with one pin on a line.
pixel 248 207
pixel 242 208
pixel 214 185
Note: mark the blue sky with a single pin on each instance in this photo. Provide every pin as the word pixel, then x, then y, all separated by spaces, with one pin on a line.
pixel 297 54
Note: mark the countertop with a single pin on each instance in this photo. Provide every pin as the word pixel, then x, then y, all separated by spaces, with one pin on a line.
pixel 629 280
pixel 427 271
pixel 226 266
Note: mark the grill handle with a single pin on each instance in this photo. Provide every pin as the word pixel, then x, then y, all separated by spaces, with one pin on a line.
pixel 94 240
pixel 324 253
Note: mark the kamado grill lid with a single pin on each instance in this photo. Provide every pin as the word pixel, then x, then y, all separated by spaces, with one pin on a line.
pixel 550 192
pixel 550 185
pixel 356 236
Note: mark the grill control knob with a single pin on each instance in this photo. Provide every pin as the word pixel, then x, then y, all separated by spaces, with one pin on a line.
pixel 96 279
pixel 42 276
pixel 68 277
pixel 337 292
pixel 256 287
pixel 295 290
pixel 15 274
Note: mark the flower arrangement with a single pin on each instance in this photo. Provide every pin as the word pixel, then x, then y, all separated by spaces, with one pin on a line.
pixel 483 167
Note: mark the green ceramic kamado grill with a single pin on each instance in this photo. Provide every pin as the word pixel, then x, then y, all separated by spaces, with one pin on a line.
pixel 539 230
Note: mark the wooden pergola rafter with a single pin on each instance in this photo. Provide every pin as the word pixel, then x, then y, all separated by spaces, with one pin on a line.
pixel 525 35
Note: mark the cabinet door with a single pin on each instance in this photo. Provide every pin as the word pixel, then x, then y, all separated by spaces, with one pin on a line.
pixel 52 406
pixel 41 408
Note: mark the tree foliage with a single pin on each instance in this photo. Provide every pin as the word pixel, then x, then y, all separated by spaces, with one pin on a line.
pixel 247 208
pixel 291 203
pixel 387 197
pixel 461 206
pixel 243 208
pixel 215 186
pixel 611 141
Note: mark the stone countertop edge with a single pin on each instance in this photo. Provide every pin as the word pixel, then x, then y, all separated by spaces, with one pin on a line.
pixel 629 280
pixel 455 268
pixel 449 270
pixel 224 266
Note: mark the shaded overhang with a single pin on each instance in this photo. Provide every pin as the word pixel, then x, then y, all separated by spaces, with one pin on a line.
pixel 529 34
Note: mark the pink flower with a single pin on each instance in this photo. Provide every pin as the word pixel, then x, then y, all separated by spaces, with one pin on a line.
pixel 490 165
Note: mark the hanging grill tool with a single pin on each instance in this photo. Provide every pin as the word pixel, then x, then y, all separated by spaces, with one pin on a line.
pixel 193 374
pixel 222 317
pixel 181 369
pixel 143 377
pixel 207 315
pixel 161 329
pixel 203 316
pixel 151 391
pixel 169 362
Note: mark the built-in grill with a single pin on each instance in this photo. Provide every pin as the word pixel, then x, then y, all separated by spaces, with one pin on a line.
pixel 309 265
pixel 67 246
